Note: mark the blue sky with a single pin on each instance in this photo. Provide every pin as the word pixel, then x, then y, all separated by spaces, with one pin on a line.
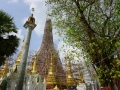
pixel 20 10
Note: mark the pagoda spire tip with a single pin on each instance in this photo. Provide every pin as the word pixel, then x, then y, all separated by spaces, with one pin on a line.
pixel 48 19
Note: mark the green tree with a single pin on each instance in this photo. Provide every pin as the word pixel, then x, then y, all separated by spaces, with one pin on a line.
pixel 95 26
pixel 8 42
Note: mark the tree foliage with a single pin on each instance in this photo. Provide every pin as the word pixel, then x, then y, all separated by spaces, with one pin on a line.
pixel 94 25
pixel 8 42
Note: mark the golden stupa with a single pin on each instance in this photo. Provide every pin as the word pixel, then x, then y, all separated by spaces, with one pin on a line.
pixel 4 69
pixel 51 78
pixel 17 62
pixel 33 66
pixel 70 81
pixel 1 72
pixel 56 88
pixel 118 63
pixel 30 68
pixel 80 77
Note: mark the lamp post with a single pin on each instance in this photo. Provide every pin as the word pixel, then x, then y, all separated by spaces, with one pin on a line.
pixel 29 25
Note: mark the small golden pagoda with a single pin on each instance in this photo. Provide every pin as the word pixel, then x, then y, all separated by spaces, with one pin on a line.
pixel 80 77
pixel 56 88
pixel 118 63
pixel 17 62
pixel 1 72
pixel 30 68
pixel 70 81
pixel 5 67
pixel 51 80
pixel 33 66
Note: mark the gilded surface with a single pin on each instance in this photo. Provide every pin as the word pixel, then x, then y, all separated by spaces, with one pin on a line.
pixel 56 88
pixel 118 63
pixel 17 62
pixel 4 69
pixel 51 78
pixel 80 77
pixel 34 68
pixel 31 19
pixel 69 76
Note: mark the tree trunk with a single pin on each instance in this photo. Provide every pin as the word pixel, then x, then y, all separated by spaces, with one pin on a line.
pixel 117 82
pixel 113 86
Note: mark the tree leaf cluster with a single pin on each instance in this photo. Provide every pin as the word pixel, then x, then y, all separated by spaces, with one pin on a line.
pixel 93 25
pixel 8 42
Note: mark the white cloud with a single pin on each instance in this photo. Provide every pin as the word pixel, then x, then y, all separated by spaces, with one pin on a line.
pixel 40 17
pixel 12 1
pixel 19 34
pixel 39 14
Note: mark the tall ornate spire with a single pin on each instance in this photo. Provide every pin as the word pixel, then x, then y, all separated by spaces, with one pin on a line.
pixel 44 55
pixel 1 72
pixel 70 81
pixel 56 88
pixel 80 76
pixel 51 78
pixel 30 68
pixel 5 69
pixel 34 68
pixel 17 62
pixel 48 36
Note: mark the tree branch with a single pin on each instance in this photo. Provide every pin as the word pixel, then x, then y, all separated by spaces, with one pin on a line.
pixel 89 30
pixel 89 4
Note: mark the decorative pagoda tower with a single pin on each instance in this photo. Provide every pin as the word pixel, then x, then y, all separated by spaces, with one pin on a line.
pixel 51 79
pixel 80 76
pixel 34 69
pixel 71 83
pixel 4 69
pixel 44 55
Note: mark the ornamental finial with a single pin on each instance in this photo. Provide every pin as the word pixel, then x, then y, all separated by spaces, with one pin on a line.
pixel 31 19
pixel 32 10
